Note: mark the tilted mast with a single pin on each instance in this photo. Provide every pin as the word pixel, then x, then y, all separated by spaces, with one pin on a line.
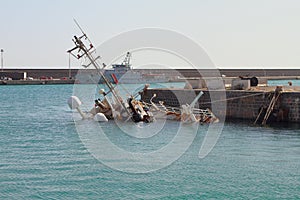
pixel 79 44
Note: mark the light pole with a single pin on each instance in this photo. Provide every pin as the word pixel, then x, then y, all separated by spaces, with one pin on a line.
pixel 2 59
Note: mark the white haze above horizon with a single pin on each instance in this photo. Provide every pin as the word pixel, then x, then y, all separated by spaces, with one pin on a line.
pixel 255 34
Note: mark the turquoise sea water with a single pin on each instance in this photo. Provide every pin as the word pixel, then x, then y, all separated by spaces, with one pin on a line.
pixel 43 157
pixel 284 82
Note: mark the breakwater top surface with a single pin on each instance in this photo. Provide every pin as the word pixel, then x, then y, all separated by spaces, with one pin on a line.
pixel 42 156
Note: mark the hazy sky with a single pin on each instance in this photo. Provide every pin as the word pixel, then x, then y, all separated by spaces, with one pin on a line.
pixel 235 33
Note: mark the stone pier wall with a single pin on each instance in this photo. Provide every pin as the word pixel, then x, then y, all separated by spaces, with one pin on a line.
pixel 239 104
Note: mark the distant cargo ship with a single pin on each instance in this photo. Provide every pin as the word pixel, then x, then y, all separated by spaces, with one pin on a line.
pixel 123 73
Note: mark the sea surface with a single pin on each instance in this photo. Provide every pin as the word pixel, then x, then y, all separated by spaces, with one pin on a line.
pixel 283 82
pixel 43 155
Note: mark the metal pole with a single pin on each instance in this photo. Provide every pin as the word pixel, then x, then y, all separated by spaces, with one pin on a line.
pixel 2 59
pixel 70 65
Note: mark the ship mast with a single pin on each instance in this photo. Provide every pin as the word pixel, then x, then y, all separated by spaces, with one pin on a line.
pixel 79 44
pixel 126 61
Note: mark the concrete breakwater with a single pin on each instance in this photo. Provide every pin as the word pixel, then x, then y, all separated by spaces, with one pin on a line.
pixel 58 73
pixel 239 104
